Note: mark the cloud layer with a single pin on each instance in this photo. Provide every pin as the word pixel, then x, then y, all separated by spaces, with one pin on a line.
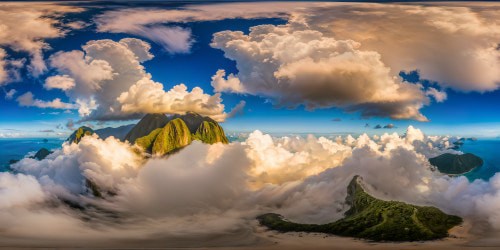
pixel 302 178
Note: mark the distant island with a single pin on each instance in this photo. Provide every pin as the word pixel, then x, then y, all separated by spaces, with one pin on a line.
pixel 374 219
pixel 455 164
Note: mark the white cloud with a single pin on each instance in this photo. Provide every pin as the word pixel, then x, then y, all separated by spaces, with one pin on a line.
pixel 295 66
pixel 304 178
pixel 465 59
pixel 158 25
pixel 85 71
pixel 451 44
pixel 63 82
pixel 139 48
pixel 24 28
pixel 147 96
pixel 110 83
pixel 439 96
pixel 28 100
pixel 172 39
pixel 230 84
pixel 19 190
pixel 145 23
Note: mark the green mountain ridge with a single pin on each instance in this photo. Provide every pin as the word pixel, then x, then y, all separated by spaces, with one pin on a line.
pixel 179 132
pixel 174 136
pixel 374 219
pixel 210 132
pixel 77 136
pixel 454 164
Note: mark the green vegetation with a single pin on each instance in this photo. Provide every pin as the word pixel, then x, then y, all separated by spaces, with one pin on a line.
pixel 77 136
pixel 146 142
pixel 210 132
pixel 375 219
pixel 41 154
pixel 456 164
pixel 175 135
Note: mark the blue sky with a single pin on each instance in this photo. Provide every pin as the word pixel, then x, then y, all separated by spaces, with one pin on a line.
pixel 462 113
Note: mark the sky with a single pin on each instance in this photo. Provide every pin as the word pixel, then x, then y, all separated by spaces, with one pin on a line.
pixel 276 67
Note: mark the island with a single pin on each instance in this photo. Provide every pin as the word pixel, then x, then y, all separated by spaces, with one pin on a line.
pixel 455 164
pixel 156 135
pixel 375 219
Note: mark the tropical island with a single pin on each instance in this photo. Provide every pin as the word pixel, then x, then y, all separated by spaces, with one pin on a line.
pixel 374 219
pixel 455 164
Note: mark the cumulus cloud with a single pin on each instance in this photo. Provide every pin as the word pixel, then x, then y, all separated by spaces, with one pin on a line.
pixel 322 72
pixel 230 84
pixel 147 96
pixel 110 83
pixel 468 62
pixel 28 100
pixel 465 58
pixel 63 82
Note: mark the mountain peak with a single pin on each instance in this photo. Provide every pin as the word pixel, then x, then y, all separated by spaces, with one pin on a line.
pixel 169 134
pixel 146 125
pixel 77 136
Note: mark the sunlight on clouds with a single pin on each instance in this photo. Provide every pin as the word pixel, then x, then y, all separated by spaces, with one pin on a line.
pixel 303 178
pixel 110 83
pixel 295 65
pixel 23 28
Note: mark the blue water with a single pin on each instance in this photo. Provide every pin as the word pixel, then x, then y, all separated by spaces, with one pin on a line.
pixel 16 149
pixel 489 151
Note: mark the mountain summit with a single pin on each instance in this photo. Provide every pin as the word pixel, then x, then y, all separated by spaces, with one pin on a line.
pixel 162 135
pixel 146 125
pixel 77 136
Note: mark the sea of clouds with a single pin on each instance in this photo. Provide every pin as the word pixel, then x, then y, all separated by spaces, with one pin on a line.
pixel 220 189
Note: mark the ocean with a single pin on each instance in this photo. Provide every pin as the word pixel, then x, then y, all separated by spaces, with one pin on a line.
pixel 487 149
pixel 16 149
